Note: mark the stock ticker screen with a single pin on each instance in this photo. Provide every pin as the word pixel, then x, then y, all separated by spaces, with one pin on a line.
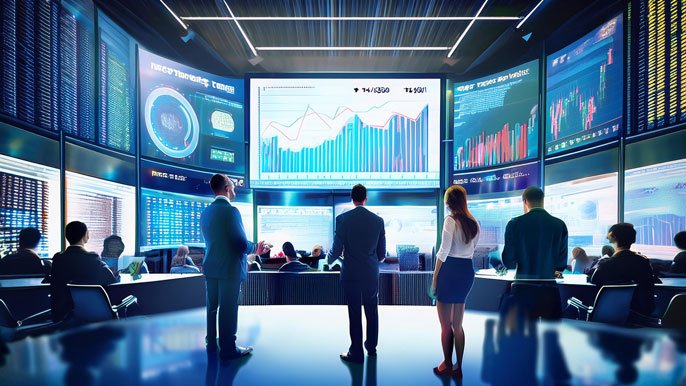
pixel 585 88
pixel 334 133
pixel 496 118
pixel 303 226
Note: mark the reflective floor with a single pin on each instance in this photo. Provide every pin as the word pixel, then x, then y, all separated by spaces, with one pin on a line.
pixel 299 345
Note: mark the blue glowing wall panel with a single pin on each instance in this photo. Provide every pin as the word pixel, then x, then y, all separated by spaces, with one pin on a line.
pixel 337 132
pixel 189 116
pixel 496 118
pixel 303 226
pixel 584 89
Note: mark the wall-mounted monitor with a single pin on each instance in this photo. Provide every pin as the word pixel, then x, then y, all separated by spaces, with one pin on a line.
pixel 504 179
pixel 303 226
pixel 335 132
pixel 189 116
pixel 493 214
pixel 107 208
pixel 172 200
pixel 585 88
pixel 29 198
pixel 496 118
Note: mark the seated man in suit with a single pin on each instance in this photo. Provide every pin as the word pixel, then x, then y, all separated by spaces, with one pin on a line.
pixel 75 265
pixel 112 248
pixel 25 261
pixel 313 259
pixel 535 242
pixel 626 267
pixel 292 264
pixel 679 263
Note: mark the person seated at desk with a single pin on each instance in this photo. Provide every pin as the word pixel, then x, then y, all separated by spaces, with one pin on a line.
pixel 25 261
pixel 292 264
pixel 580 260
pixel 626 267
pixel 75 265
pixel 112 248
pixel 535 242
pixel 182 263
pixel 679 263
pixel 313 259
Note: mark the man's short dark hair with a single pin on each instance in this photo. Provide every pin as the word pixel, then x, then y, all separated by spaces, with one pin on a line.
pixel 359 193
pixel 218 182
pixel 112 246
pixel 29 238
pixel 533 195
pixel 623 234
pixel 607 250
pixel 680 240
pixel 75 231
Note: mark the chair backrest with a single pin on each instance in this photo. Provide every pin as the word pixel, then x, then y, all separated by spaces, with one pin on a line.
pixel 675 316
pixel 6 318
pixel 408 257
pixel 612 304
pixel 91 303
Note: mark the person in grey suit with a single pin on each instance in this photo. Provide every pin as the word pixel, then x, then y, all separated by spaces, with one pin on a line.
pixel 224 267
pixel 360 236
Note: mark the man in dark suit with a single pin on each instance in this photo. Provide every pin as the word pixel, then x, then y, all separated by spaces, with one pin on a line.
pixel 25 261
pixel 535 242
pixel 224 267
pixel 75 265
pixel 360 236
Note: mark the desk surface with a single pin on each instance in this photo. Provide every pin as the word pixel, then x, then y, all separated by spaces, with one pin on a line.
pixel 575 278
pixel 169 350
pixel 124 279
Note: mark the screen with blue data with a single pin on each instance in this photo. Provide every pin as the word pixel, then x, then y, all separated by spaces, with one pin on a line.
pixel 29 198
pixel 493 215
pixel 585 88
pixel 189 116
pixel 496 118
pixel 303 226
pixel 334 133
pixel 655 202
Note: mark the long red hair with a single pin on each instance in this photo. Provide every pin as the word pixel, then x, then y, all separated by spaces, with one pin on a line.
pixel 456 200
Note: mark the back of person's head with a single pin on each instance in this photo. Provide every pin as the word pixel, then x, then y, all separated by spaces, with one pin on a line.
pixel 29 238
pixel 358 193
pixel 579 253
pixel 607 250
pixel 317 250
pixel 112 246
pixel 680 240
pixel 179 259
pixel 533 195
pixel 219 182
pixel 75 231
pixel 289 250
pixel 456 200
pixel 623 234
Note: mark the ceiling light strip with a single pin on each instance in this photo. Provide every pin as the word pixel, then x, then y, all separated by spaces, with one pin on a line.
pixel 527 16
pixel 372 48
pixel 252 48
pixel 185 27
pixel 457 43
pixel 349 18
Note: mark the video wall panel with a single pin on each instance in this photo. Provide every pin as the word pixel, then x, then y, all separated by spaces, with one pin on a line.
pixel 303 226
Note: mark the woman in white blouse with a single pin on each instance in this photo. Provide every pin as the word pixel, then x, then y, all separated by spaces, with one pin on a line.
pixel 454 276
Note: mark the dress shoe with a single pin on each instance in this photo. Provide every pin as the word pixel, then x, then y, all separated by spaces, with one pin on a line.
pixel 446 372
pixel 371 353
pixel 211 346
pixel 349 358
pixel 239 352
pixel 457 373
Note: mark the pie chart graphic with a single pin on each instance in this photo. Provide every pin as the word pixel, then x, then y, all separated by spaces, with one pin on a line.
pixel 171 122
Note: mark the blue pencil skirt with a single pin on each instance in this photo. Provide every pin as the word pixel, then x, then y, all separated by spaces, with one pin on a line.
pixel 454 281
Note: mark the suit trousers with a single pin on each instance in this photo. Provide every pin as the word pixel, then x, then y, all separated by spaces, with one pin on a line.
pixel 360 294
pixel 222 307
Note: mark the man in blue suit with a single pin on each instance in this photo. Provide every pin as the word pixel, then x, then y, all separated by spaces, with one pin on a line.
pixel 224 267
pixel 360 236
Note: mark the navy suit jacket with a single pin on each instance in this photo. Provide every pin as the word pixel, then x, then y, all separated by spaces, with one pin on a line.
pixel 23 262
pixel 360 236
pixel 226 246
pixel 535 244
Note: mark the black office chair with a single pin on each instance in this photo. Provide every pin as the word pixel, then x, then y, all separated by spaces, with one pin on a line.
pixel 612 304
pixel 675 315
pixel 14 329
pixel 92 304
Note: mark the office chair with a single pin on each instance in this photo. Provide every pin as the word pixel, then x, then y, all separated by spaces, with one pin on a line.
pixel 408 257
pixel 13 329
pixel 91 304
pixel 612 304
pixel 675 315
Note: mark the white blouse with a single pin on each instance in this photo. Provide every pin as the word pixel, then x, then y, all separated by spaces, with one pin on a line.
pixel 452 241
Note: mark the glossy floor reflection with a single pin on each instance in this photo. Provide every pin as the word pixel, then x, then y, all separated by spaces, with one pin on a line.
pixel 299 345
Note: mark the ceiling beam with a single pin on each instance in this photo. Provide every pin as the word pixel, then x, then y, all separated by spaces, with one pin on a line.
pixel 350 18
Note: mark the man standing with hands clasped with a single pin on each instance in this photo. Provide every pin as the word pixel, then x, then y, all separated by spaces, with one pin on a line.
pixel 224 267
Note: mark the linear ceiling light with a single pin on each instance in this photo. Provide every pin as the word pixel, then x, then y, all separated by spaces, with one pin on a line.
pixel 349 18
pixel 527 16
pixel 173 14
pixel 240 29
pixel 373 48
pixel 457 43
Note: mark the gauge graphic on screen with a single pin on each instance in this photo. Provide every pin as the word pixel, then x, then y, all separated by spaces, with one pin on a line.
pixel 171 122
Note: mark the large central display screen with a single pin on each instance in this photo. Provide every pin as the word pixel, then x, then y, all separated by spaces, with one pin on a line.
pixel 584 89
pixel 303 226
pixel 191 117
pixel 334 133
pixel 496 118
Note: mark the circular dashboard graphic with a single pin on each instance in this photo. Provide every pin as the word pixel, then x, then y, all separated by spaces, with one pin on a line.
pixel 171 122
